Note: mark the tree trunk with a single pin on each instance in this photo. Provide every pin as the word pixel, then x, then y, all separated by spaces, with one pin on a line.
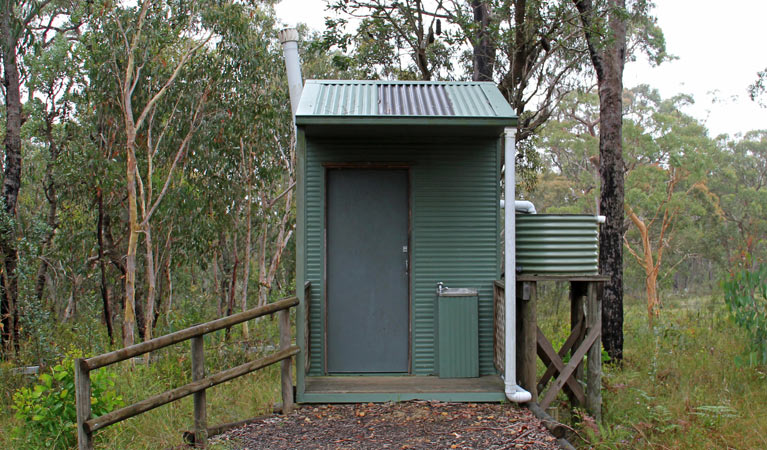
pixel 232 285
pixel 129 316
pixel 12 179
pixel 521 45
pixel 484 46
pixel 107 307
pixel 653 301
pixel 169 282
pixel 226 274
pixel 51 196
pixel 216 287
pixel 263 292
pixel 608 58
pixel 151 283
pixel 163 282
pixel 248 246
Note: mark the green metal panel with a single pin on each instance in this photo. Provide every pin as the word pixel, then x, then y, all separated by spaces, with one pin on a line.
pixel 557 244
pixel 300 257
pixel 469 100
pixel 458 336
pixel 403 102
pixel 454 230
pixel 347 99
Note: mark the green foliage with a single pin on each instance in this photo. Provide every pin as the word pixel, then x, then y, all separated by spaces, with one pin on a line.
pixel 756 91
pixel 676 388
pixel 712 416
pixel 745 293
pixel 47 409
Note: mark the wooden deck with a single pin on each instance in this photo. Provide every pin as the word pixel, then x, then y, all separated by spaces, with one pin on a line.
pixel 347 389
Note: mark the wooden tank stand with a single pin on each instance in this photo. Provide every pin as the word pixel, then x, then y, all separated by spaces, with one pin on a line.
pixel 584 340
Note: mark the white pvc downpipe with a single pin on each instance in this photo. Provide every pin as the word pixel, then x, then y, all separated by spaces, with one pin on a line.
pixel 289 41
pixel 513 391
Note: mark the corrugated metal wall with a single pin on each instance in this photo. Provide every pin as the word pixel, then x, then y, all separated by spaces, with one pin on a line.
pixel 454 207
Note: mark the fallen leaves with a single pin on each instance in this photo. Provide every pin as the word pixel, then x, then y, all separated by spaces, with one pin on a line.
pixel 413 425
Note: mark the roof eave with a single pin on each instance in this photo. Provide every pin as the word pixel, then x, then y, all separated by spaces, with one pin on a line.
pixel 407 120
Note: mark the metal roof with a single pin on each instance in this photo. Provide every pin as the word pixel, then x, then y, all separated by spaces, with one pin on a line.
pixel 403 102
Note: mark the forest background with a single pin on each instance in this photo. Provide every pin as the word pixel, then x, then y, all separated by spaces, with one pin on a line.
pixel 149 161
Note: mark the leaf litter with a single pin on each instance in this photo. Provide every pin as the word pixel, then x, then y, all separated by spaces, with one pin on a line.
pixel 413 425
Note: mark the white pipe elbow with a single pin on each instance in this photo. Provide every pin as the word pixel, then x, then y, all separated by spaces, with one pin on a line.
pixel 516 394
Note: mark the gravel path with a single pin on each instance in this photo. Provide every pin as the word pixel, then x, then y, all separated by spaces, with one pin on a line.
pixel 406 425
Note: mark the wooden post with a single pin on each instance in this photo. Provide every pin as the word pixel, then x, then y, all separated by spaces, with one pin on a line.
pixel 200 403
pixel 287 379
pixel 577 305
pixel 527 327
pixel 594 382
pixel 499 336
pixel 83 404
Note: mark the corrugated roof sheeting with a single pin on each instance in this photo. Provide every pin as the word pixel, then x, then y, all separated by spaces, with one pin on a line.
pixel 347 99
pixel 469 100
pixel 414 100
pixel 392 99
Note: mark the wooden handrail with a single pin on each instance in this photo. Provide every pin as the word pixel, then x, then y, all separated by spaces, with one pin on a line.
pixel 187 333
pixel 155 401
pixel 87 425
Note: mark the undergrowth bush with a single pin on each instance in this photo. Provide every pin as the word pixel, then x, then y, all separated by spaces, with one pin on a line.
pixel 47 410
pixel 745 293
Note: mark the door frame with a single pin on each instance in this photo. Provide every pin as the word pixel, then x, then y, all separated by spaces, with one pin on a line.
pixel 327 166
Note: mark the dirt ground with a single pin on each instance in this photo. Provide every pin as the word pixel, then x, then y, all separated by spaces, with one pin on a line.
pixel 406 425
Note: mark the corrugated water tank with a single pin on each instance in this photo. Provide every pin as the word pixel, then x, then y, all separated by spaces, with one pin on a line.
pixel 557 244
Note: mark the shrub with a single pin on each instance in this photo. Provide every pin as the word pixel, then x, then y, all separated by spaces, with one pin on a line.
pixel 746 296
pixel 47 409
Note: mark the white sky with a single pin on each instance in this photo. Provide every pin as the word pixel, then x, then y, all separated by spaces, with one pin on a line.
pixel 720 49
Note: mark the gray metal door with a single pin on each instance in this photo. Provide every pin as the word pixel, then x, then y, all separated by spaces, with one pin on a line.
pixel 367 273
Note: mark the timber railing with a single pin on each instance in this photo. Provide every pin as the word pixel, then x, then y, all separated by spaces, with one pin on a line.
pixel 86 425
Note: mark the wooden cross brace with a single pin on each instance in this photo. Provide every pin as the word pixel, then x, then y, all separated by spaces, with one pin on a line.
pixel 554 363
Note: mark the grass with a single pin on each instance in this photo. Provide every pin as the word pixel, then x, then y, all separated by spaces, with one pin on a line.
pixel 679 387
pixel 248 396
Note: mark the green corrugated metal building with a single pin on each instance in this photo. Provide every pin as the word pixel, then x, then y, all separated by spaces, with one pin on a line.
pixel 398 190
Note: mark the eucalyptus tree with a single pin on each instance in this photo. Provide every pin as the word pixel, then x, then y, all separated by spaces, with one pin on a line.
pixel 611 28
pixel 25 26
pixel 161 66
pixel 740 181
pixel 757 90
pixel 668 157
pixel 569 143
pixel 671 208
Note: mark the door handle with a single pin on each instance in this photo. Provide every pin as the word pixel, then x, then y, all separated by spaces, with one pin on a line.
pixel 407 259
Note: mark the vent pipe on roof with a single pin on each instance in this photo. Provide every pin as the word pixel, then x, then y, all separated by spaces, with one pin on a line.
pixel 289 41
